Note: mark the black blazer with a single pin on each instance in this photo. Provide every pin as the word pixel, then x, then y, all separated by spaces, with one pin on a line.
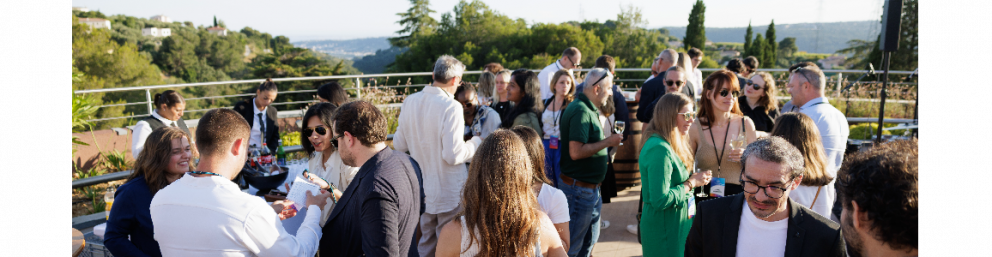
pixel 650 91
pixel 247 110
pixel 716 224
pixel 648 111
pixel 380 210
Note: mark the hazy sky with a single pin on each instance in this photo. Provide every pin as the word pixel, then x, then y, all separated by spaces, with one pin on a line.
pixel 336 19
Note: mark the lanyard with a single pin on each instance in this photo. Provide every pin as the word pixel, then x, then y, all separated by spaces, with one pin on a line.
pixel 800 108
pixel 560 111
pixel 719 158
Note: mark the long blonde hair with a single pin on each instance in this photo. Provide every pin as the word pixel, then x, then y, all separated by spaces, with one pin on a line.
pixel 487 85
pixel 801 131
pixel 499 202
pixel 664 124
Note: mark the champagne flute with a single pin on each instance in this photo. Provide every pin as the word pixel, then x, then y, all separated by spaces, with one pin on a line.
pixel 701 193
pixel 618 127
pixel 738 142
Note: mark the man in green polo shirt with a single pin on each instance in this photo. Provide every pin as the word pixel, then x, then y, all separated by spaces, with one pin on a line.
pixel 584 165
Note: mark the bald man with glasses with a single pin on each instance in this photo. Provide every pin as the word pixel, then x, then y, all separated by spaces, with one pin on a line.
pixel 570 59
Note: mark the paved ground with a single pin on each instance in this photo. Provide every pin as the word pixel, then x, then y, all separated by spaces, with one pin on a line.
pixel 615 240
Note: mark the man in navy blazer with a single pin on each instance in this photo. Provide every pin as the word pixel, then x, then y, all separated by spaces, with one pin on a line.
pixel 379 213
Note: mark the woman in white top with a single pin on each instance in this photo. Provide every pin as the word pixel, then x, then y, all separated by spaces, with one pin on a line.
pixel 563 92
pixel 816 191
pixel 552 200
pixel 169 107
pixel 326 168
pixel 501 210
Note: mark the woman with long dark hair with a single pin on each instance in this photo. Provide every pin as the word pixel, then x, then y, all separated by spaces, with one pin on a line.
pixel 816 191
pixel 165 158
pixel 525 93
pixel 332 92
pixel 721 122
pixel 501 215
pixel 169 107
pixel 551 200
pixel 326 168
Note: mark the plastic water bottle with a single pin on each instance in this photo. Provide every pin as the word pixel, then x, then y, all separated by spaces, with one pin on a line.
pixel 109 199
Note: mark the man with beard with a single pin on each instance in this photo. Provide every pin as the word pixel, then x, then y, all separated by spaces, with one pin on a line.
pixel 763 221
pixel 879 192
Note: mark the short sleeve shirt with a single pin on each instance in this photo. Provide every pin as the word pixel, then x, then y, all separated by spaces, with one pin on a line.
pixel 580 123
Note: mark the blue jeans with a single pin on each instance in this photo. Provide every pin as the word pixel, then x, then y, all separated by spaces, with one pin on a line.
pixel 584 205
pixel 552 162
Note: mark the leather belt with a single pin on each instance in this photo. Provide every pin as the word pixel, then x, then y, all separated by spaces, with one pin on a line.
pixel 568 181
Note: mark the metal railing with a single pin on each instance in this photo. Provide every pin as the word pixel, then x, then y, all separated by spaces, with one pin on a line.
pixel 838 80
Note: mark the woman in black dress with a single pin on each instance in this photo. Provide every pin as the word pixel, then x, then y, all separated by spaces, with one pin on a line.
pixel 759 103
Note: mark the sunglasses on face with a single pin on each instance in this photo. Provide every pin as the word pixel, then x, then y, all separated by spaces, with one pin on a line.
pixel 334 141
pixel 689 116
pixel 321 130
pixel 724 92
pixel 753 85
pixel 673 82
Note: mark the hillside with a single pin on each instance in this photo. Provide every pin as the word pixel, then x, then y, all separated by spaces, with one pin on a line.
pixel 347 49
pixel 810 37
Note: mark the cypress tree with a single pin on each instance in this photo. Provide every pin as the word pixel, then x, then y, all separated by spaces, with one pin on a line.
pixel 695 33
pixel 758 49
pixel 215 20
pixel 770 47
pixel 747 40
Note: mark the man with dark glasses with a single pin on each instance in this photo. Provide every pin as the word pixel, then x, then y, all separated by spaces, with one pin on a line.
pixel 763 220
pixel 674 81
pixel 570 59
pixel 655 88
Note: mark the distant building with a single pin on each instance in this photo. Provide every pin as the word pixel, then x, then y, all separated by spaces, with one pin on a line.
pixel 81 9
pixel 731 53
pixel 832 62
pixel 95 23
pixel 216 30
pixel 161 18
pixel 156 32
pixel 709 43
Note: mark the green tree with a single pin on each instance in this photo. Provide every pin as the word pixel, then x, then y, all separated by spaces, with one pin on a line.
pixel 758 47
pixel 906 57
pixel 770 47
pixel 857 51
pixel 416 21
pixel 747 40
pixel 695 33
pixel 215 20
pixel 787 47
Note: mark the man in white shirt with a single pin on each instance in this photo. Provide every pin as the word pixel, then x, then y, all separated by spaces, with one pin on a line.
pixel 433 134
pixel 205 214
pixel 570 59
pixel 807 85
pixel 763 220
pixel 696 76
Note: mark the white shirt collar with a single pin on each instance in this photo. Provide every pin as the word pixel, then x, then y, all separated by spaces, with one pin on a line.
pixel 814 101
pixel 165 121
pixel 254 106
pixel 437 91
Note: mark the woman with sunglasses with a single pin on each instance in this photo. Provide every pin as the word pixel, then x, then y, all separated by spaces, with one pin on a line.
pixel 666 162
pixel 720 122
pixel 326 168
pixel 759 103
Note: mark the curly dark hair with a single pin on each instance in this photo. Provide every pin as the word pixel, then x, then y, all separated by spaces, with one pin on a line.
pixel 883 181
pixel 363 120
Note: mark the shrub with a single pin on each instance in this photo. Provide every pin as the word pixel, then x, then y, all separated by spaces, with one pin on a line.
pixel 865 131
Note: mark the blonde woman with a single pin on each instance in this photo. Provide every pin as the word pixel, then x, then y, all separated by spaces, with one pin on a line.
pixel 816 191
pixel 666 162
pixel 759 103
pixel 487 89
pixel 563 91
pixel 501 215
pixel 686 63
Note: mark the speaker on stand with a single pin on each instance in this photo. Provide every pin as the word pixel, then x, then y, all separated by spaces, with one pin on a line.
pixel 891 21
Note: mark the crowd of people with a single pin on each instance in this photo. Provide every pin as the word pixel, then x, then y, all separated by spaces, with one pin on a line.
pixel 520 164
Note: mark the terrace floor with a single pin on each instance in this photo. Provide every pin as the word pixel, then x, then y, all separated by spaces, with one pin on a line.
pixel 615 241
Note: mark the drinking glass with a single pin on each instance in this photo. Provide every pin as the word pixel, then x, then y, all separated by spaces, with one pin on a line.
pixel 738 142
pixel 618 127
pixel 701 193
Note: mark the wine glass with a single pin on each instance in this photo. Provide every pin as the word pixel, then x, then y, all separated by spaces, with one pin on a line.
pixel 701 193
pixel 618 127
pixel 738 142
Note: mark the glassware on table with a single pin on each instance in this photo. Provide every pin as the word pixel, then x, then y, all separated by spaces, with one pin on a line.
pixel 618 127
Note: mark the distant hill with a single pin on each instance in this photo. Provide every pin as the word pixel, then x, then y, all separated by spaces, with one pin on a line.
pixel 347 49
pixel 810 37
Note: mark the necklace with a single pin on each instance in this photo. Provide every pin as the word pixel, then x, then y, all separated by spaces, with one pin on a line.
pixel 205 173
pixel 719 158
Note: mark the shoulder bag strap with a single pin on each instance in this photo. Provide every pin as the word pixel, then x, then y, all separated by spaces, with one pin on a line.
pixel 814 197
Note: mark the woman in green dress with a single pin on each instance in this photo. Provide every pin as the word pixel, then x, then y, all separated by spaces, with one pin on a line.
pixel 665 162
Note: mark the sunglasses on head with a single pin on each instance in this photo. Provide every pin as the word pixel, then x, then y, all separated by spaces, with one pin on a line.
pixel 724 92
pixel 688 115
pixel 673 82
pixel 753 85
pixel 320 130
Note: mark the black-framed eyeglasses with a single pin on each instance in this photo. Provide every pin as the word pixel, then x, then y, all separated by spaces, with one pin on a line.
pixel 321 130
pixel 689 116
pixel 674 82
pixel 771 191
pixel 334 141
pixel 724 92
pixel 753 85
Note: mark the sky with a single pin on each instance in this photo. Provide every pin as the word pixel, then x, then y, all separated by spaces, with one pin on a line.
pixel 337 19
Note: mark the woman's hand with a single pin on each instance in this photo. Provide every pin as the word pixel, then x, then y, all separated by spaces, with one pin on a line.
pixel 317 180
pixel 735 154
pixel 699 179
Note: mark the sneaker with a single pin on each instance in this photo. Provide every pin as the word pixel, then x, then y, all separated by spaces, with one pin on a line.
pixel 605 224
pixel 632 229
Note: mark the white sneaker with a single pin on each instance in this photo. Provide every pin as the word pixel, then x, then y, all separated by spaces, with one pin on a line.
pixel 604 224
pixel 632 229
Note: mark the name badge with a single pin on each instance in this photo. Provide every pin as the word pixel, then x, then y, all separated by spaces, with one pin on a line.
pixel 717 187
pixel 554 142
pixel 692 205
